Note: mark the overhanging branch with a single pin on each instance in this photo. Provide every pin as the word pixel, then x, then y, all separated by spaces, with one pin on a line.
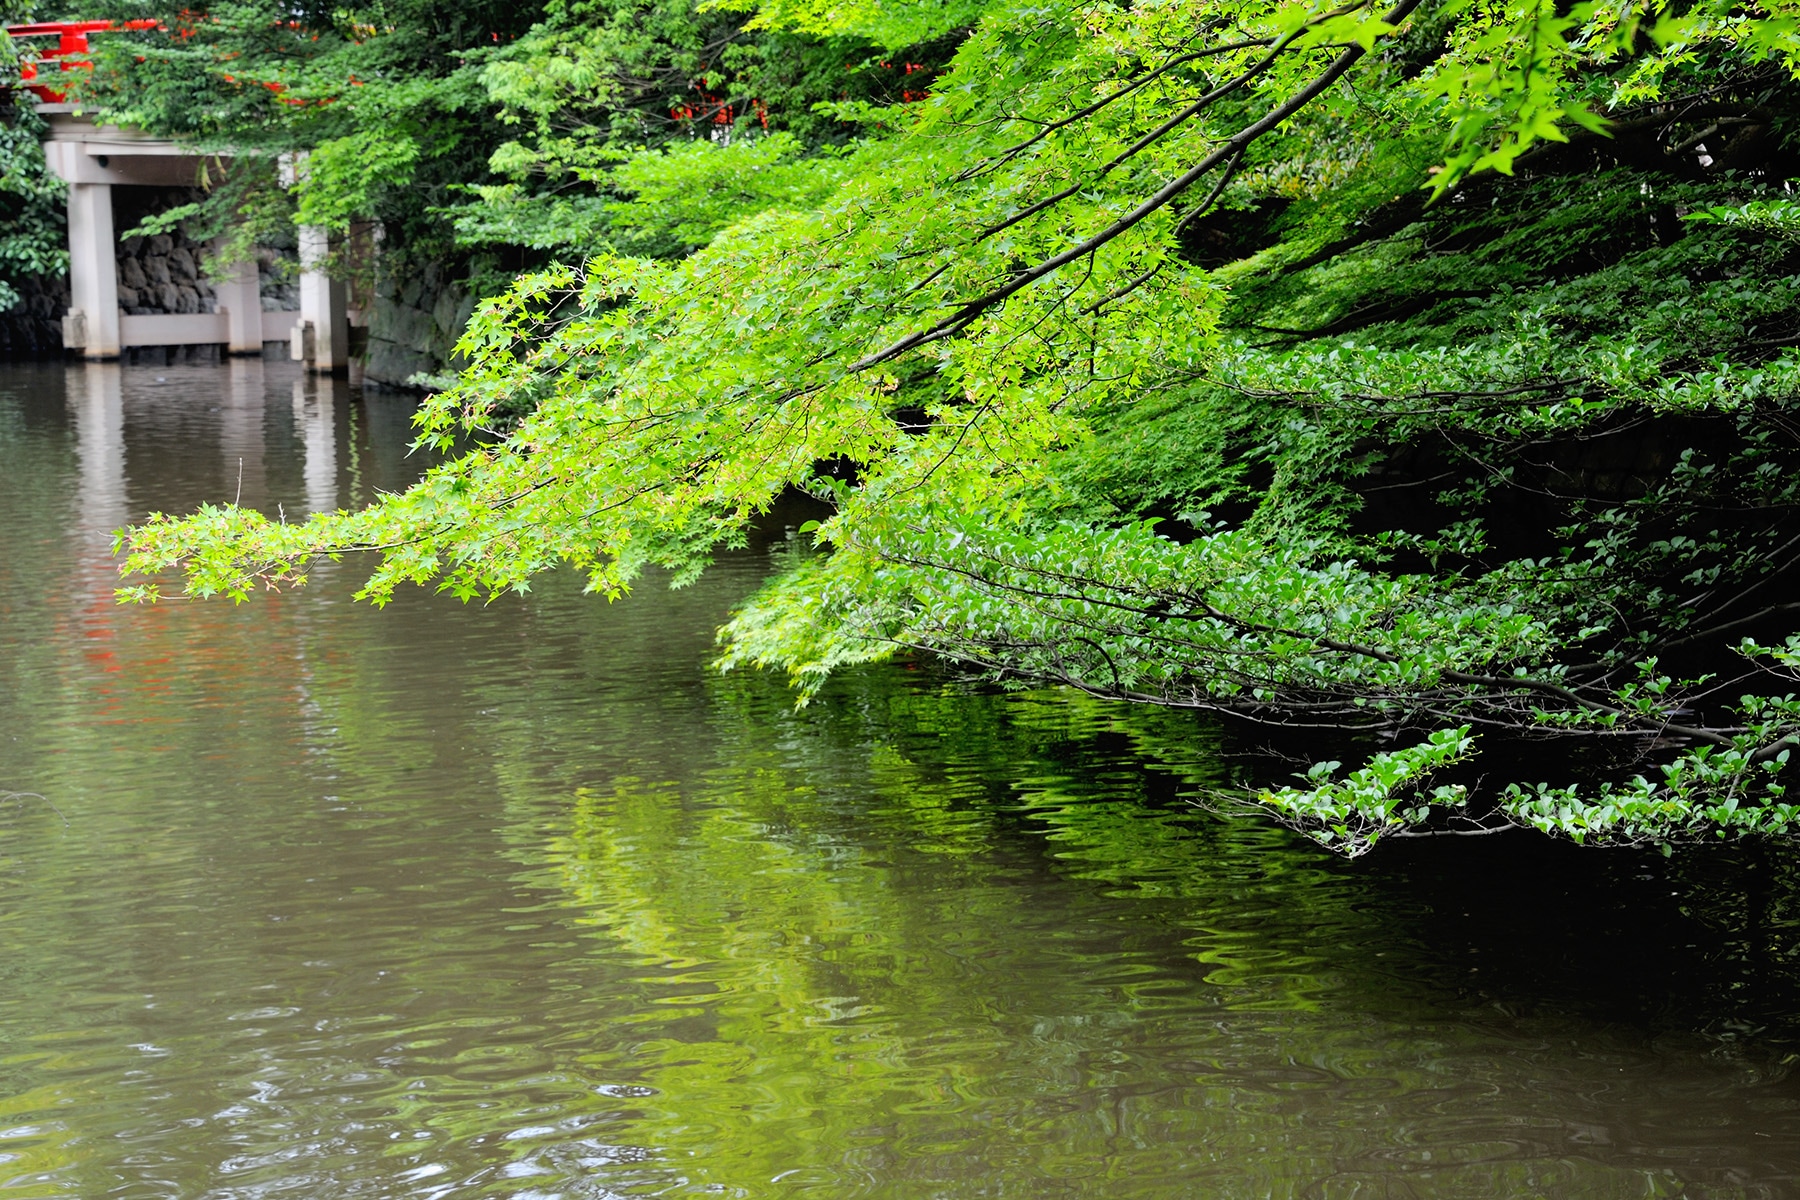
pixel 1231 148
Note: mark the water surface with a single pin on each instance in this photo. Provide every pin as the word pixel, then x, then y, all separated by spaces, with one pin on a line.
pixel 521 900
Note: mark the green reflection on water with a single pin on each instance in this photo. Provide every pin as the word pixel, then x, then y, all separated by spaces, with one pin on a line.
pixel 877 972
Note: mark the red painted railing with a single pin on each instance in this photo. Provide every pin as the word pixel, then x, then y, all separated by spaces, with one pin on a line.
pixel 72 39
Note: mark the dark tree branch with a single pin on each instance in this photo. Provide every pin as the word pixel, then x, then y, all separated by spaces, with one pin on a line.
pixel 1013 151
pixel 1235 145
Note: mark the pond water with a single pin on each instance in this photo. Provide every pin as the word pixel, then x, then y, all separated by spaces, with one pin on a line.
pixel 522 900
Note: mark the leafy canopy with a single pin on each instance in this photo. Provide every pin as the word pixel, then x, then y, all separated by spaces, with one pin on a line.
pixel 1237 355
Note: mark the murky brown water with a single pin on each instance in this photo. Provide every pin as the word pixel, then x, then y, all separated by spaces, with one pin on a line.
pixel 522 901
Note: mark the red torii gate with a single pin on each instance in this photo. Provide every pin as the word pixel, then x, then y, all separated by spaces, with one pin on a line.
pixel 72 39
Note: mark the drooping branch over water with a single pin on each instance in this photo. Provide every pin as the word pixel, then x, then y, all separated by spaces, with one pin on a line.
pixel 1324 366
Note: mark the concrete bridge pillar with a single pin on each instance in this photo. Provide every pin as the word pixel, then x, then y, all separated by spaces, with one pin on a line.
pixel 324 316
pixel 240 299
pixel 93 320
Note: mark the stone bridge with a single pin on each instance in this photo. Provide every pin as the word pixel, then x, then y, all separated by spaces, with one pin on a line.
pixel 94 160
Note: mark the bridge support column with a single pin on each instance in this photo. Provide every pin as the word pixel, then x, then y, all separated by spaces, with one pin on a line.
pixel 323 306
pixel 93 320
pixel 240 297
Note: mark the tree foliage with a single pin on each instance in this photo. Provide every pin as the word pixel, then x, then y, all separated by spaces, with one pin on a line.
pixel 32 220
pixel 1422 373
pixel 475 129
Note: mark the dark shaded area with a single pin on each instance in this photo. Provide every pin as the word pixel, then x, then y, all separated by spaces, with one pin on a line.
pixel 1226 235
pixel 32 330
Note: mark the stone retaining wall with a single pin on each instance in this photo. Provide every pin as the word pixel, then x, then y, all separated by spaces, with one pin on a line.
pixel 32 328
pixel 414 321
pixel 159 274
pixel 278 279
